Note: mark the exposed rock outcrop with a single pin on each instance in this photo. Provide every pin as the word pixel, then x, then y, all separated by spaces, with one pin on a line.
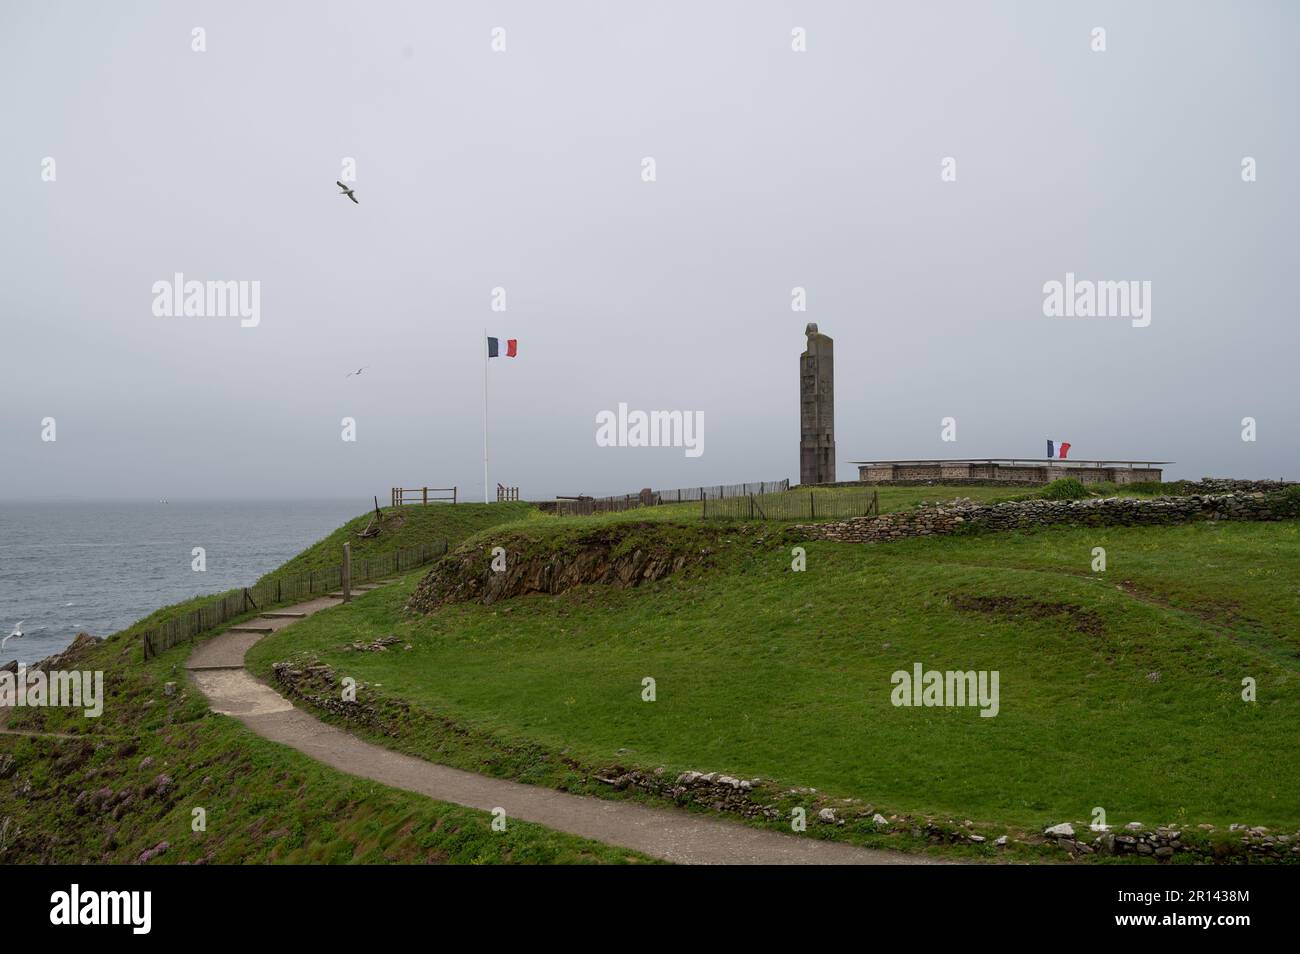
pixel 74 651
pixel 623 555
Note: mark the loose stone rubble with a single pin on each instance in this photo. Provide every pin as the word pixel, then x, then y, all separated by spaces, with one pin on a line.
pixel 377 646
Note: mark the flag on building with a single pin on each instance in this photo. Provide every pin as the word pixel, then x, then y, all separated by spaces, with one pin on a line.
pixel 512 348
pixel 1057 450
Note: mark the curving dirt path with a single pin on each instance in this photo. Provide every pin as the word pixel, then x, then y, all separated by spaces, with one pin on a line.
pixel 217 668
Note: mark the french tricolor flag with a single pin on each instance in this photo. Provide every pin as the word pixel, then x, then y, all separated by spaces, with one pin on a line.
pixel 1057 450
pixel 512 347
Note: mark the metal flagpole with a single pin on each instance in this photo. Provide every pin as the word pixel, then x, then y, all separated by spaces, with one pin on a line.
pixel 485 418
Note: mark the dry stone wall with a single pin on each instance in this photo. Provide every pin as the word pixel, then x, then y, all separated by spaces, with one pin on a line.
pixel 1228 485
pixel 961 516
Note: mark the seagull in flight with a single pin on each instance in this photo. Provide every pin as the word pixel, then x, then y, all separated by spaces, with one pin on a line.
pixel 350 193
pixel 357 371
pixel 17 633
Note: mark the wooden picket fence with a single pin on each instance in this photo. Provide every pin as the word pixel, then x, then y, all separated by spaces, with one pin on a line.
pixel 792 505
pixel 583 506
pixel 722 491
pixel 279 590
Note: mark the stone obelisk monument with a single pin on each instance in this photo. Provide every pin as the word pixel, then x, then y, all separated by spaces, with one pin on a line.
pixel 817 409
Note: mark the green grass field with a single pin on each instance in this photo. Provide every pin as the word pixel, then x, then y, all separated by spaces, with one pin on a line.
pixel 1119 689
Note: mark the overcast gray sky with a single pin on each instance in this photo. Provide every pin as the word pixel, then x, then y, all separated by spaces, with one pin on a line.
pixel 522 169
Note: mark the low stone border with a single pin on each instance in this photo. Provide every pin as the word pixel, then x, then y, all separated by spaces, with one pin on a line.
pixel 1162 843
pixel 756 799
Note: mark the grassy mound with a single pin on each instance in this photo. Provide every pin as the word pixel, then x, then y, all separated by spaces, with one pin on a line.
pixel 1119 689
pixel 404 527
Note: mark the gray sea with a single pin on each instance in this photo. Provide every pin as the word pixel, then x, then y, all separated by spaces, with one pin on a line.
pixel 66 568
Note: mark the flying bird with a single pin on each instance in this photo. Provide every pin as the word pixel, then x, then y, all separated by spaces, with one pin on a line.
pixel 17 633
pixel 357 371
pixel 350 193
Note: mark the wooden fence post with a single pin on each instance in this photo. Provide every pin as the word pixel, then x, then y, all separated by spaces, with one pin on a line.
pixel 812 506
pixel 347 573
